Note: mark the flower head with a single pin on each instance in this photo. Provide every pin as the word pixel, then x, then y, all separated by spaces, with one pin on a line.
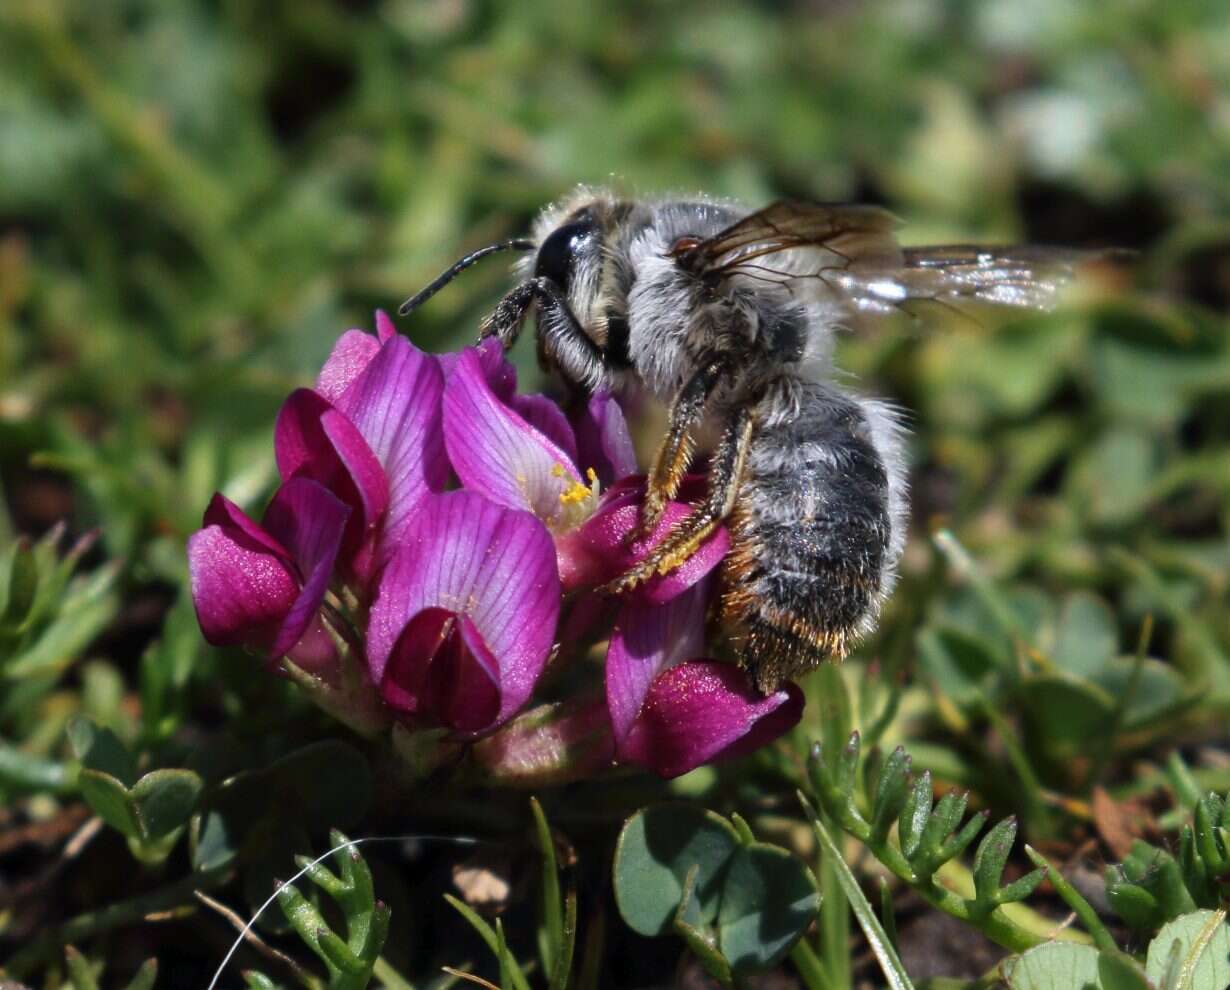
pixel 452 533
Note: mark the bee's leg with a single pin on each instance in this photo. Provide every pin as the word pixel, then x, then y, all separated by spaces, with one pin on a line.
pixel 674 454
pixel 560 335
pixel 725 475
pixel 505 321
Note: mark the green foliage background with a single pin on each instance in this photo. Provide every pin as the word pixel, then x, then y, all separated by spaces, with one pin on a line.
pixel 196 197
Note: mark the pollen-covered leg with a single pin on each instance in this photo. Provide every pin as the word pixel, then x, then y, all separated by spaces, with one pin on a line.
pixel 675 452
pixel 724 476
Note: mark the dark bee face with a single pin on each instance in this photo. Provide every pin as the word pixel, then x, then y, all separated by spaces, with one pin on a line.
pixel 568 248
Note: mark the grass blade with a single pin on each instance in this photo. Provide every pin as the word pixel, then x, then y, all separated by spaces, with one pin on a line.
pixel 886 955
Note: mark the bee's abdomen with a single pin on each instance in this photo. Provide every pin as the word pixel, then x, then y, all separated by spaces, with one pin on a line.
pixel 812 538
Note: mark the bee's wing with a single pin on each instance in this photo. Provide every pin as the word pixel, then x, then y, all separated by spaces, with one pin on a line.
pixel 965 276
pixel 848 256
pixel 842 236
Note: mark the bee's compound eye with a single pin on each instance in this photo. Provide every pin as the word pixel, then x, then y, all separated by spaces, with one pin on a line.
pixel 684 244
pixel 559 251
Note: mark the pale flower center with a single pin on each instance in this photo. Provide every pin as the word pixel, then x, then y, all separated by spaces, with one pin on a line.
pixel 577 501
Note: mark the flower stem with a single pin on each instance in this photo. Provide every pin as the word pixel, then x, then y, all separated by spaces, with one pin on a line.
pixel 387 975
pixel 809 966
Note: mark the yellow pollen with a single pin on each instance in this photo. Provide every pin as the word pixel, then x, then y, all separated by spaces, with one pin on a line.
pixel 576 492
pixel 557 471
pixel 592 475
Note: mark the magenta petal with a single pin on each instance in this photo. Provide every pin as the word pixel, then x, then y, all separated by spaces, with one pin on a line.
pixel 313 440
pixel 598 551
pixel 352 353
pixel 548 419
pixel 646 640
pixel 221 511
pixel 362 467
pixel 501 374
pixel 384 326
pixel 395 405
pixel 310 522
pixel 496 452
pixel 493 565
pixel 603 440
pixel 704 711
pixel 242 591
pixel 441 667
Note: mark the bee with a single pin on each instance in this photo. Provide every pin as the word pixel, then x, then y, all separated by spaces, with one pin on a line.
pixel 728 316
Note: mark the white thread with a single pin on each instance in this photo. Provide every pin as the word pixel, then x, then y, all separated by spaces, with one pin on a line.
pixel 461 840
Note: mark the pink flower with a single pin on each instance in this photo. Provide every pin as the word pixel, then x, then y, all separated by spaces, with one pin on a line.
pixel 465 618
pixel 261 586
pixel 450 604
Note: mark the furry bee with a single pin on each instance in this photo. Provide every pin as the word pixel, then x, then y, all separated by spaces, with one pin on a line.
pixel 728 316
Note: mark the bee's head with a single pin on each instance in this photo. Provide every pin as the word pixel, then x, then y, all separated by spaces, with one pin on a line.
pixel 562 279
pixel 570 254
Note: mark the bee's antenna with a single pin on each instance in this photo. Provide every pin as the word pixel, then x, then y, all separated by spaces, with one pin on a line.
pixel 420 297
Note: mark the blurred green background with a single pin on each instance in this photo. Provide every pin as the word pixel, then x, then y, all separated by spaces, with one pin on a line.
pixel 197 196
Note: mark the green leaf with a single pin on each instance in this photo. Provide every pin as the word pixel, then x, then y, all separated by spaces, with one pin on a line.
pixel 145 976
pixel 915 814
pixel 769 898
pixel 1204 941
pixel 25 771
pixel 110 800
pixel 18 584
pixel 1066 713
pixel 165 799
pixel 1087 637
pixel 1021 887
pixel 959 663
pixel 1112 480
pixel 82 616
pixel 1119 971
pixel 168 663
pixel 1147 888
pixel 1057 966
pixel 494 938
pixel 1135 905
pixel 881 946
pixel 989 861
pixel 552 920
pixel 1160 691
pixel 82 974
pixel 657 848
pixel 98 748
pixel 892 790
pixel 1147 384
